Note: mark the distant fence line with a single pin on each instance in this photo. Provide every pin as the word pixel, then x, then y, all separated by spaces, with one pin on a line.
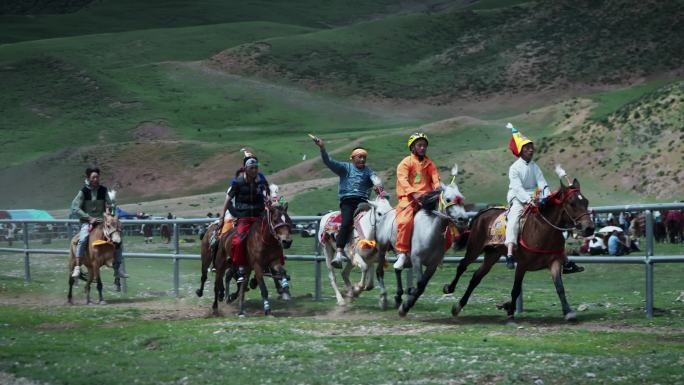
pixel 648 260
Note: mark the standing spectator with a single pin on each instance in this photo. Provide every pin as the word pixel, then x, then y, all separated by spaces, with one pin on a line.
pixel 10 234
pixel 622 221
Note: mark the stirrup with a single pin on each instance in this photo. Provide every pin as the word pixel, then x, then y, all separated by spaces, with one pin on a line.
pixel 510 264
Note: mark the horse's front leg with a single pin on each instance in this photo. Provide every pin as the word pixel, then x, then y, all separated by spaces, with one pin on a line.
pixel 423 279
pixel 241 293
pixel 99 286
pixel 283 283
pixel 555 268
pixel 515 292
pixel 380 275
pixel 89 282
pixel 356 289
pixel 259 275
pixel 329 253
pixel 347 282
pixel 400 288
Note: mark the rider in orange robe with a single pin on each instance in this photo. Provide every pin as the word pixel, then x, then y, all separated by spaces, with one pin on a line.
pixel 416 175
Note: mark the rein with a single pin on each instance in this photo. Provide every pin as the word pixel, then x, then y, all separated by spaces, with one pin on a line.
pixel 272 229
pixel 558 201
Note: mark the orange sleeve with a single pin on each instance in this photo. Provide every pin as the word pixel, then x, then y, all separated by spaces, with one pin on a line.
pixel 434 175
pixel 404 188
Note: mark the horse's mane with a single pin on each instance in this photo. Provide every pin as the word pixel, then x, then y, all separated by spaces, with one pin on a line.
pixel 363 206
pixel 429 201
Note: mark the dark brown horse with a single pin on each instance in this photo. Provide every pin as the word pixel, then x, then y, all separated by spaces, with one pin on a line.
pixel 540 245
pixel 266 239
pixel 102 243
pixel 208 259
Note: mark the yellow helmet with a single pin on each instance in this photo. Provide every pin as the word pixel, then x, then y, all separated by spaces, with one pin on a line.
pixel 416 136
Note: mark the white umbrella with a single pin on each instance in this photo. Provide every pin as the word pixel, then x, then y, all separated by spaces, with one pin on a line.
pixel 610 229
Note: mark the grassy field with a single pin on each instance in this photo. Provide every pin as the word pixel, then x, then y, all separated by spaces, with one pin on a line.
pixel 146 336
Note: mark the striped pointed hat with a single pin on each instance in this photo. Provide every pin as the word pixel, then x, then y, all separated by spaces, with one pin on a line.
pixel 518 140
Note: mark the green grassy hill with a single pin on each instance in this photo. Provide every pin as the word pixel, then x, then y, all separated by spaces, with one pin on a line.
pixel 162 96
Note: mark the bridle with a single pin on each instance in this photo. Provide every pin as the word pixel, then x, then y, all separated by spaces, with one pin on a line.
pixel 560 201
pixel 108 231
pixel 272 228
pixel 443 205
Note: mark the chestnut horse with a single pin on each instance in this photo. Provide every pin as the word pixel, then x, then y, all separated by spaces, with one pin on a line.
pixel 540 246
pixel 102 243
pixel 265 241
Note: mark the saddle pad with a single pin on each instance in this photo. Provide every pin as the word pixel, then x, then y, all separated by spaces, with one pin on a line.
pixel 332 225
pixel 496 234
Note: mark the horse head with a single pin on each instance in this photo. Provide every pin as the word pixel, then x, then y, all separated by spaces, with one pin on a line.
pixel 451 203
pixel 111 227
pixel 280 224
pixel 574 206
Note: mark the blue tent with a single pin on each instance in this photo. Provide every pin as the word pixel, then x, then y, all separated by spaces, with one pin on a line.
pixel 28 214
pixel 123 213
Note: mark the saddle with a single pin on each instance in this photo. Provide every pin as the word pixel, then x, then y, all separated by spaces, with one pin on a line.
pixel 496 234
pixel 334 223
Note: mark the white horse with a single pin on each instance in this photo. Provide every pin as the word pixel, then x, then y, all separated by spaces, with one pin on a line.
pixel 362 248
pixel 430 223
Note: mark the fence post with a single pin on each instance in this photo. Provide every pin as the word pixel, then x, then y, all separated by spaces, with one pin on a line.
pixel 27 264
pixel 317 252
pixel 649 264
pixel 176 267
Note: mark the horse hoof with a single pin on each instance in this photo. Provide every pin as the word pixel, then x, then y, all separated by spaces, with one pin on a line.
pixel 383 303
pixel 103 302
pixel 286 297
pixel 117 288
pixel 215 312
pixel 402 311
pixel 446 289
pixel 253 283
pixel 199 293
pixel 241 315
pixel 369 288
pixel 356 291
pixel 510 321
pixel 456 309
pixel 571 317
pixel 231 298
pixel 397 302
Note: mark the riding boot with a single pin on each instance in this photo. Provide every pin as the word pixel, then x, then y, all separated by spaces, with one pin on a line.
pixel 340 258
pixel 401 260
pixel 510 264
pixel 240 275
pixel 571 267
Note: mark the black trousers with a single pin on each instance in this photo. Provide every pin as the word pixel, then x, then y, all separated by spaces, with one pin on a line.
pixel 347 207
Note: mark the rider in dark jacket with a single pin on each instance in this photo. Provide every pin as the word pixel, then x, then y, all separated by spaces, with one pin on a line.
pixel 249 191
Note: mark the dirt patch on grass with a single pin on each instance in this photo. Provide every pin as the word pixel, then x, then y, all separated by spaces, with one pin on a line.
pixel 58 326
pixel 152 131
pixel 11 379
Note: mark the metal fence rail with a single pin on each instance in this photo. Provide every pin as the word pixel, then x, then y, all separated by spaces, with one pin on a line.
pixel 648 260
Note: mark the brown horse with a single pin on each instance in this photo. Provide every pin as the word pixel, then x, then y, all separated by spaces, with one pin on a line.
pixel 541 245
pixel 265 241
pixel 102 243
pixel 208 260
